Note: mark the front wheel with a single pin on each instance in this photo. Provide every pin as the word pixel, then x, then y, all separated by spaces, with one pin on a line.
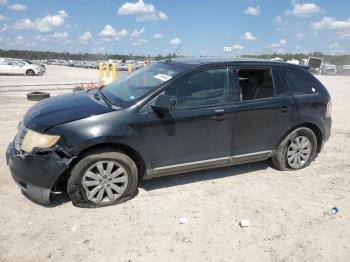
pixel 30 72
pixel 103 179
pixel 296 151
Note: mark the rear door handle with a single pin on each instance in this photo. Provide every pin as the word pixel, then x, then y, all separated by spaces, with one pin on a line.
pixel 285 109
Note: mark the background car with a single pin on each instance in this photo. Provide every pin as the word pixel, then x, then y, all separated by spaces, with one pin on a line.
pixel 328 69
pixel 344 70
pixel 43 68
pixel 19 67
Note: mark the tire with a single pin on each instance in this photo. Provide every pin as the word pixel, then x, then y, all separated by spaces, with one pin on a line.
pixel 30 72
pixel 37 96
pixel 280 159
pixel 79 192
pixel 77 89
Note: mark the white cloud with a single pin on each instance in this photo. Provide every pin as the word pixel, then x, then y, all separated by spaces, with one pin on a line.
pixel 335 48
pixel 2 18
pixel 137 33
pixel 152 17
pixel 162 16
pixel 158 36
pixel 63 13
pixel 3 2
pixel 99 50
pixel 19 40
pixel 109 33
pixel 17 7
pixel 249 36
pixel 299 36
pixel 60 35
pixel 143 11
pixel 279 20
pixel 304 10
pixel 237 47
pixel 4 28
pixel 283 42
pixel 344 34
pixel 278 47
pixel 45 24
pixel 175 41
pixel 41 38
pixel 330 23
pixel 24 24
pixel 85 38
pixel 140 42
pixel 252 10
pixel 136 8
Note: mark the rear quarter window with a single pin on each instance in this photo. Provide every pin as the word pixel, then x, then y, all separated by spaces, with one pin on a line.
pixel 296 81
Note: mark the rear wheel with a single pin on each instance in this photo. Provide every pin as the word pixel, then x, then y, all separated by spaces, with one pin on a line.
pixel 30 72
pixel 103 179
pixel 296 151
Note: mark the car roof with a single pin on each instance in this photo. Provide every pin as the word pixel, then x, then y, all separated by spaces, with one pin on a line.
pixel 201 61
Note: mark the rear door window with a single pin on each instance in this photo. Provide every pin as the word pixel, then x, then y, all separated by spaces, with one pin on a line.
pixel 296 82
pixel 255 84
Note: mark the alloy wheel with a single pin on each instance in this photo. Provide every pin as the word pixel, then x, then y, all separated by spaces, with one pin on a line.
pixel 105 182
pixel 299 152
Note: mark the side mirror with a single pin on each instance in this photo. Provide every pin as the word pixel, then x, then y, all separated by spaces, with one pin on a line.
pixel 164 102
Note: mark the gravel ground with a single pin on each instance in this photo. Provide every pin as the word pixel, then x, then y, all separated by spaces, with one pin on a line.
pixel 288 211
pixel 56 80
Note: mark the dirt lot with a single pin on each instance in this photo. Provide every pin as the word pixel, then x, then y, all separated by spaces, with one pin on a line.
pixel 56 80
pixel 288 211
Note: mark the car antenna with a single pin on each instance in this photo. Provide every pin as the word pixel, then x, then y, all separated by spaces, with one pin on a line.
pixel 174 54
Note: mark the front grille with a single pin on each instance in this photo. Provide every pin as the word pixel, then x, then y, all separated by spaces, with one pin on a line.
pixel 22 131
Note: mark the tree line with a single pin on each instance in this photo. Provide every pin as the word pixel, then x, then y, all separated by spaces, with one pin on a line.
pixel 43 55
pixel 333 59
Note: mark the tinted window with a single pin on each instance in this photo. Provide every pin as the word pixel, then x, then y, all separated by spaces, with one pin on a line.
pixel 296 81
pixel 205 88
pixel 255 83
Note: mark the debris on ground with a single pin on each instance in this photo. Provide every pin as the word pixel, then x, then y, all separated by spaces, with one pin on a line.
pixel 183 220
pixel 334 210
pixel 244 223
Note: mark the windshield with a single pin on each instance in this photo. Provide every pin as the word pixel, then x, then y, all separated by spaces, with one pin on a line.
pixel 140 83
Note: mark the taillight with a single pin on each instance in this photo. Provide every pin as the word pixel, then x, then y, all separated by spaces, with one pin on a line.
pixel 329 109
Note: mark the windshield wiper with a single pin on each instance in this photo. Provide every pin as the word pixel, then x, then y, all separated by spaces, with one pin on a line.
pixel 99 94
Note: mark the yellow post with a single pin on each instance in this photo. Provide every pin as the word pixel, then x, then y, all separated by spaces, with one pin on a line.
pixel 129 68
pixel 107 71
pixel 114 72
pixel 100 70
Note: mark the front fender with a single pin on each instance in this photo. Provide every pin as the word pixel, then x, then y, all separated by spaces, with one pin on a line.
pixel 119 127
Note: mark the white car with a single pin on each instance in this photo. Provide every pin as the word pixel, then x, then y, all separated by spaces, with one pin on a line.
pixel 11 66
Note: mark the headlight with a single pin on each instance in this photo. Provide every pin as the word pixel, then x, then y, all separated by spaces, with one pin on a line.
pixel 33 139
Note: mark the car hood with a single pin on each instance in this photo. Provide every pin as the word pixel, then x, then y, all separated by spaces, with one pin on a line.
pixel 62 109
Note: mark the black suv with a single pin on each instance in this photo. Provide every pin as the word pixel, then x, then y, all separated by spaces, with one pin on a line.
pixel 170 117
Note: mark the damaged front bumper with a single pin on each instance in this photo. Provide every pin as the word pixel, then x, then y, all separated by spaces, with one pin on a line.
pixel 36 174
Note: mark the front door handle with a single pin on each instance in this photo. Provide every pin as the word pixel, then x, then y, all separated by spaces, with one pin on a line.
pixel 220 115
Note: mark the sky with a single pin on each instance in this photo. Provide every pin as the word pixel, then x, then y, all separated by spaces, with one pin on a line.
pixel 207 28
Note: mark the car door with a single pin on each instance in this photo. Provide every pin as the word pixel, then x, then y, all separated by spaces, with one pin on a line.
pixel 198 132
pixel 5 68
pixel 15 67
pixel 262 116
